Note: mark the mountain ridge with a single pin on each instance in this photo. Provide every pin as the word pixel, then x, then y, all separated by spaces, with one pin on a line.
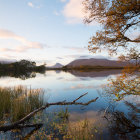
pixel 96 62
pixel 57 65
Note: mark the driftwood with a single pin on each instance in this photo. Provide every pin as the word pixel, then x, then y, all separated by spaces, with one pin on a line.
pixel 29 134
pixel 17 124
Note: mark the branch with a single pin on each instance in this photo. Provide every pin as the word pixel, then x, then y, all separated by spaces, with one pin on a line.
pixel 27 117
pixel 19 126
pixel 79 97
pixel 130 25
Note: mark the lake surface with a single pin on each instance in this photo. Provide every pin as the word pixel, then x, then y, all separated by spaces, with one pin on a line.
pixel 60 86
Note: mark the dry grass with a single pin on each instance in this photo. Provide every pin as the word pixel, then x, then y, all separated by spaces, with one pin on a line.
pixel 18 101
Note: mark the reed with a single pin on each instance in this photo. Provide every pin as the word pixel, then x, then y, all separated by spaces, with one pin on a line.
pixel 16 102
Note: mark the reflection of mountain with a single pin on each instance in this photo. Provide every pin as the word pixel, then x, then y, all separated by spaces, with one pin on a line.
pixel 96 62
pixel 103 73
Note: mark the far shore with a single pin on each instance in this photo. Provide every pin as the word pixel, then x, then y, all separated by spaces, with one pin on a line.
pixel 86 68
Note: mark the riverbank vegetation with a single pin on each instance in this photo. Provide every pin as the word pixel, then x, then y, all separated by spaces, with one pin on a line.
pixel 127 83
pixel 23 69
pixel 17 102
pixel 63 128
pixel 22 66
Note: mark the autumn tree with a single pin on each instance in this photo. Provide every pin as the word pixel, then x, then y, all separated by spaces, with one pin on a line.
pixel 128 83
pixel 132 55
pixel 118 18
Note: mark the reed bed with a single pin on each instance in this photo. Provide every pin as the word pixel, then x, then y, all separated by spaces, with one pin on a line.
pixel 16 102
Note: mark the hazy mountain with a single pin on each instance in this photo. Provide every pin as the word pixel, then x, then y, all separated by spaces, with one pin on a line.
pixel 6 61
pixel 57 65
pixel 96 62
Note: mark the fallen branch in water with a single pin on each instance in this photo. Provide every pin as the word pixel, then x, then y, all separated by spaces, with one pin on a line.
pixel 17 124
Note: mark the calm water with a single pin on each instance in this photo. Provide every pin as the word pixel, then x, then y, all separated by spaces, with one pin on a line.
pixel 60 86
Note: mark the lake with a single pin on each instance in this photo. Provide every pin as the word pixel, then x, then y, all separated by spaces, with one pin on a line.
pixel 60 86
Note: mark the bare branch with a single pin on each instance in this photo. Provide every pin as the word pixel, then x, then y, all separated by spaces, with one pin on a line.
pixel 27 117
pixel 80 97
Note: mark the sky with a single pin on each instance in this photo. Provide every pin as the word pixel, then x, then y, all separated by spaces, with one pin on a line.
pixel 45 31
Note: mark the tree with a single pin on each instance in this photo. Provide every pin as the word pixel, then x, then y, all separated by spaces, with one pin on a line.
pixel 27 63
pixel 132 55
pixel 128 83
pixel 118 17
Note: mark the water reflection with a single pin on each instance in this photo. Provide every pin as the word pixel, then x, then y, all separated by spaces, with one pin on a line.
pixel 21 75
pixel 124 125
pixel 60 85
pixel 99 73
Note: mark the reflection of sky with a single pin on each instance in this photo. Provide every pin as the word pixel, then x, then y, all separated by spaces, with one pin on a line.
pixel 65 86
pixel 61 86
pixel 57 81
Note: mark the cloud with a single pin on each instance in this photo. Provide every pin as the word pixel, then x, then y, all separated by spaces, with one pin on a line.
pixel 13 50
pixel 74 12
pixel 85 56
pixel 82 86
pixel 77 49
pixel 78 56
pixel 56 13
pixel 30 4
pixel 25 44
pixel 63 0
pixel 59 58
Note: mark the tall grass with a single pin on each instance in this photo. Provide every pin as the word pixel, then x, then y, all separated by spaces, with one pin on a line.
pixel 16 102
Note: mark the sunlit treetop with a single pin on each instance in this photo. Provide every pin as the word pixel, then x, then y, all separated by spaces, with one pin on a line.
pixel 119 18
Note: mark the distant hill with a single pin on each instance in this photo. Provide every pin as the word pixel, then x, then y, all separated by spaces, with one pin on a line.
pixel 96 62
pixel 57 65
pixel 6 61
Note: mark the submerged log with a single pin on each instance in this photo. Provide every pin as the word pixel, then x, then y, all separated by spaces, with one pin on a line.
pixel 17 124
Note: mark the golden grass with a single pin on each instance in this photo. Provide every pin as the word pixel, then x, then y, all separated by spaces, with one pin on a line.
pixel 16 102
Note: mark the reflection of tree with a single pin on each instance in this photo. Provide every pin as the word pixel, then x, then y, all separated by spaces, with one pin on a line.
pixel 23 76
pixel 128 83
pixel 27 75
pixel 23 69
pixel 60 126
pixel 126 125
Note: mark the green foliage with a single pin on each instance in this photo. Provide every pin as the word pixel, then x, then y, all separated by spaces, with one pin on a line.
pixel 18 101
pixel 23 69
